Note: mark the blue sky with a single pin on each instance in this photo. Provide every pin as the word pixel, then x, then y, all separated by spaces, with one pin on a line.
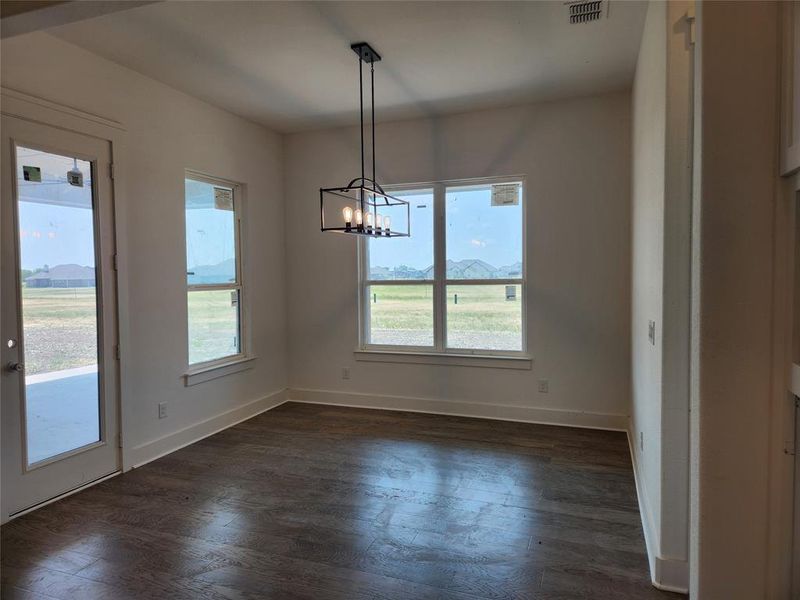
pixel 475 230
pixel 55 218
pixel 55 235
pixel 209 231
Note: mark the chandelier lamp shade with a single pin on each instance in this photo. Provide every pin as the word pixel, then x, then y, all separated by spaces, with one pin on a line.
pixel 362 207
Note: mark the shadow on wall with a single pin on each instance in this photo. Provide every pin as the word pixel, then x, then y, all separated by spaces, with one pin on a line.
pixel 192 45
pixel 329 14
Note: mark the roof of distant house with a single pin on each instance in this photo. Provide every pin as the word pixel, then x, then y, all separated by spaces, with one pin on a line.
pixel 70 271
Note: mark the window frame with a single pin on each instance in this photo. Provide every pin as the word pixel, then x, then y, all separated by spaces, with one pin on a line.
pixel 440 281
pixel 239 286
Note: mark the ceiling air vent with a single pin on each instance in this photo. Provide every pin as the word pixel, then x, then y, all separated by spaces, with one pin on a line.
pixel 583 12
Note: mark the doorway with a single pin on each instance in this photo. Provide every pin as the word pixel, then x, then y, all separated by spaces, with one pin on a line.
pixel 795 389
pixel 58 313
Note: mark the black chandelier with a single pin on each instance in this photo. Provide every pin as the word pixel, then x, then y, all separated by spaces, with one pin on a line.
pixel 354 208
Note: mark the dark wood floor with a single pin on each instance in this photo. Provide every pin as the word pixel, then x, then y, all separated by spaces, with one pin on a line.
pixel 321 502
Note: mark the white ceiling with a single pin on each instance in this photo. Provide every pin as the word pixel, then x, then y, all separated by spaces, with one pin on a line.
pixel 289 66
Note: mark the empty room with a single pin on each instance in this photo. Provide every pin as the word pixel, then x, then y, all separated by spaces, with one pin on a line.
pixel 436 300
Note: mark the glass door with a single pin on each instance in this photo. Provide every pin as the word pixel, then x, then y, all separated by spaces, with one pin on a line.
pixel 58 309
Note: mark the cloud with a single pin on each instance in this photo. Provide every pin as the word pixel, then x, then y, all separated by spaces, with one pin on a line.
pixel 478 243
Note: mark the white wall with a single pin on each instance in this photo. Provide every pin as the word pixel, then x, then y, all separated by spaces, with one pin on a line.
pixel 661 231
pixel 575 154
pixel 168 131
pixel 648 108
pixel 673 567
pixel 736 167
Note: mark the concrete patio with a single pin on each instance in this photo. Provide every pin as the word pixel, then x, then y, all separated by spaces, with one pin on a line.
pixel 62 411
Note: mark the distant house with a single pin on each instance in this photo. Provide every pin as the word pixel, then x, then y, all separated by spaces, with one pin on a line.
pixel 510 271
pixel 62 276
pixel 221 272
pixel 466 269
pixel 401 272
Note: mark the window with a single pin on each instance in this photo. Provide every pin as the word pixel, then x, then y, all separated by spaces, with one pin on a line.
pixel 458 283
pixel 213 270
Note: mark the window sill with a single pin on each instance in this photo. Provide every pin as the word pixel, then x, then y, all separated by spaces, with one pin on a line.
pixel 492 361
pixel 204 374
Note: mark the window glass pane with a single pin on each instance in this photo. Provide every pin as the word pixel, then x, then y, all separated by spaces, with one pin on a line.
pixel 210 239
pixel 411 257
pixel 484 317
pixel 59 302
pixel 213 324
pixel 484 232
pixel 400 315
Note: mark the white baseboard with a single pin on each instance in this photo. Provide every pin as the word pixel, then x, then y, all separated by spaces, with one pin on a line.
pixel 668 574
pixel 153 449
pixel 672 575
pixel 503 412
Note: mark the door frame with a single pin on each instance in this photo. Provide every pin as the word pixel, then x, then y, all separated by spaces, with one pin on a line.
pixel 784 447
pixel 38 110
pixel 101 311
pixel 787 424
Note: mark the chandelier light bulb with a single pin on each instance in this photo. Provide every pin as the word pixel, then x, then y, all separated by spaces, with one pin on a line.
pixel 347 213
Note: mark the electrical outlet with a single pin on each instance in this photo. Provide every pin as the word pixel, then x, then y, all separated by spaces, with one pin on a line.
pixel 641 441
pixel 345 373
pixel 162 410
pixel 651 332
pixel 544 386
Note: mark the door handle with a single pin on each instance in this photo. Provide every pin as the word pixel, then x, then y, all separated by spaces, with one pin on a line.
pixel 15 367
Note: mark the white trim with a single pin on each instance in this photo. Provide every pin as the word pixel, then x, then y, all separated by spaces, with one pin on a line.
pixel 18 104
pixel 239 214
pixel 497 361
pixel 790 89
pixel 39 111
pixel 507 281
pixel 42 16
pixel 459 408
pixel 668 574
pixel 438 189
pixel 795 385
pixel 648 529
pixel 215 371
pixel 439 267
pixel 370 282
pixel 672 575
pixel 61 496
pixel 153 449
pixel 33 108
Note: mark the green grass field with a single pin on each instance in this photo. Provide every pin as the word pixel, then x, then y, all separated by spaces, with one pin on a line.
pixel 478 316
pixel 212 326
pixel 61 333
pixel 60 327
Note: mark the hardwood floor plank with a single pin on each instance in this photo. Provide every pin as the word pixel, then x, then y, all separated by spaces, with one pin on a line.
pixel 318 502
pixel 15 593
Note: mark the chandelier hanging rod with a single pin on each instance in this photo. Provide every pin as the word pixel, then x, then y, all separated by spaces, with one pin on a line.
pixel 366 53
pixel 364 196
